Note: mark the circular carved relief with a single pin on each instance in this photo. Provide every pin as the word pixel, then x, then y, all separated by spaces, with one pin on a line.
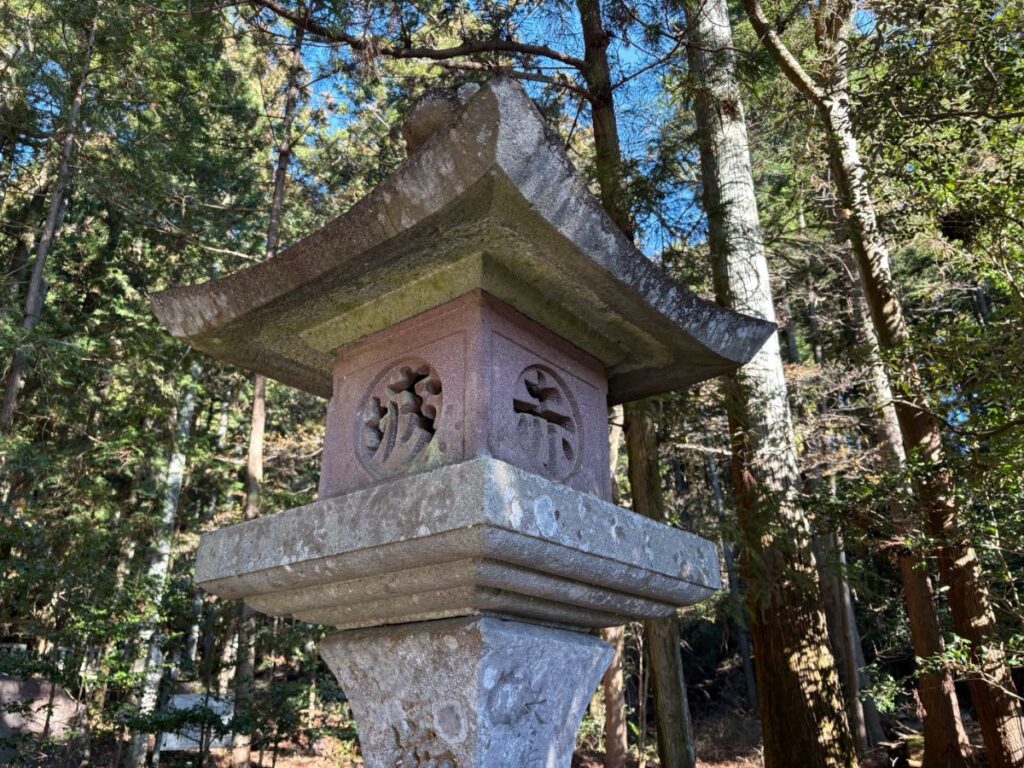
pixel 399 417
pixel 547 423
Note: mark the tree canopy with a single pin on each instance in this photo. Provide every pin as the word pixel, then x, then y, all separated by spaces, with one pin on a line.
pixel 151 144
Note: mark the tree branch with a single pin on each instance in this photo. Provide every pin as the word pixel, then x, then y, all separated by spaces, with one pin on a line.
pixel 650 65
pixel 1004 427
pixel 476 66
pixel 787 62
pixel 378 47
pixel 710 450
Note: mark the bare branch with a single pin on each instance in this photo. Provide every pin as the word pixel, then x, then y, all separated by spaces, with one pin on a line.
pixel 651 65
pixel 710 450
pixel 378 46
pixel 476 66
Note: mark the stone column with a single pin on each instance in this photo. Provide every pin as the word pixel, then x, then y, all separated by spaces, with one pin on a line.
pixel 472 691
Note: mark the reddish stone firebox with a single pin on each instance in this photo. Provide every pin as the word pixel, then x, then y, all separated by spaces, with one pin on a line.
pixel 472 377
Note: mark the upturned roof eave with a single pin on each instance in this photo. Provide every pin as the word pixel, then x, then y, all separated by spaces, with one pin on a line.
pixel 499 132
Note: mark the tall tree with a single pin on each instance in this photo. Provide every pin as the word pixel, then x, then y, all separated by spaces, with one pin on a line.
pixel 671 708
pixel 596 72
pixel 945 742
pixel 150 642
pixel 36 293
pixel 998 708
pixel 616 743
pixel 246 664
pixel 800 700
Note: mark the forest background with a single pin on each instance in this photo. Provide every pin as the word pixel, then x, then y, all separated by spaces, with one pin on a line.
pixel 872 547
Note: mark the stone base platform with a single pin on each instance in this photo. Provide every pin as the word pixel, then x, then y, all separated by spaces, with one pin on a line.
pixel 472 692
pixel 480 537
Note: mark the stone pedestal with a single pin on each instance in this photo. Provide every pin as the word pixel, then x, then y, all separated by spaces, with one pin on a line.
pixel 469 692
pixel 465 592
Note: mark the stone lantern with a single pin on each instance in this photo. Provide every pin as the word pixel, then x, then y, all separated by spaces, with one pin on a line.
pixel 469 320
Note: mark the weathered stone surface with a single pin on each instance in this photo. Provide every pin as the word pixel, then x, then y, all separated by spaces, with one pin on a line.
pixel 470 378
pixel 434 112
pixel 35 709
pixel 489 201
pixel 192 737
pixel 470 319
pixel 456 589
pixel 477 537
pixel 471 693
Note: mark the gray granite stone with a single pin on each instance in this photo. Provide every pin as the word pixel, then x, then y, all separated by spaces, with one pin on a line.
pixel 455 589
pixel 487 201
pixel 477 537
pixel 467 693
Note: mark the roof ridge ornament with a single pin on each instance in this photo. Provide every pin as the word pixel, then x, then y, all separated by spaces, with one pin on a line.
pixel 434 111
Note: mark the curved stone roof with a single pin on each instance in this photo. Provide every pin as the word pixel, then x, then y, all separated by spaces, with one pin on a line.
pixel 487 200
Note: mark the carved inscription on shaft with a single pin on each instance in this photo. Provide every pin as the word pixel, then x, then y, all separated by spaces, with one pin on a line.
pixel 547 424
pixel 399 416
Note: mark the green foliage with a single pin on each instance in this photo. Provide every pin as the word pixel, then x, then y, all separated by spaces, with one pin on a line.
pixel 171 184
pixel 885 691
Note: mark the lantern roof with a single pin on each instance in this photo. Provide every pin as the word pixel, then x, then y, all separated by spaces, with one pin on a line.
pixel 489 200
